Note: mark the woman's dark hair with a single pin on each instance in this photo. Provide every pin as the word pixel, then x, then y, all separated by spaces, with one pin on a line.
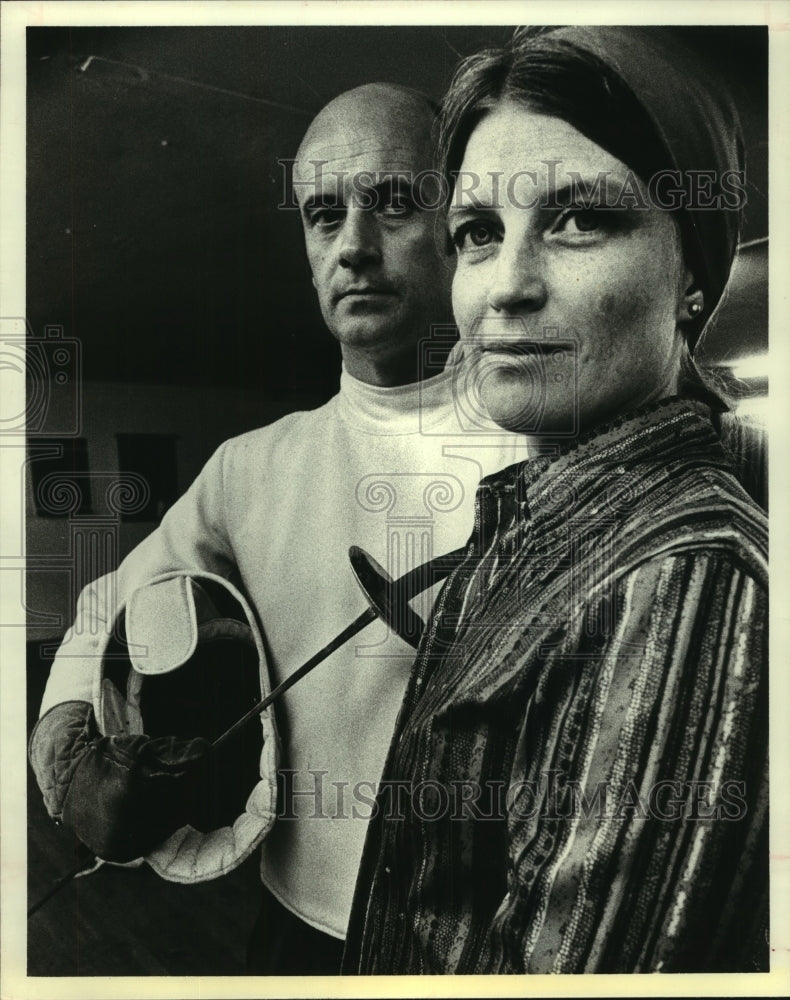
pixel 550 75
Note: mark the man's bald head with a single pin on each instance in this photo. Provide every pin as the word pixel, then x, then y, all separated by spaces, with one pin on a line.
pixel 390 116
pixel 373 228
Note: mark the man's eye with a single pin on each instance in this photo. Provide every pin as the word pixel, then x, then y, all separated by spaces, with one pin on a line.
pixel 472 235
pixel 397 206
pixel 325 218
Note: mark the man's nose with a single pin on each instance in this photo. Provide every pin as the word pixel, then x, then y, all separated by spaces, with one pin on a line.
pixel 517 282
pixel 359 242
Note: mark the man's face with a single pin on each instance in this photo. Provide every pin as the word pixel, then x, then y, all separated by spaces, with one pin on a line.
pixel 376 251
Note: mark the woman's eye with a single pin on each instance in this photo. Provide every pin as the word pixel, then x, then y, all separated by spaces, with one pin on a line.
pixel 586 221
pixel 472 235
pixel 582 220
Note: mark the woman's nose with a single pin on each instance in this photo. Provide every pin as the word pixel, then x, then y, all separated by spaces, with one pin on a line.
pixel 517 283
pixel 359 242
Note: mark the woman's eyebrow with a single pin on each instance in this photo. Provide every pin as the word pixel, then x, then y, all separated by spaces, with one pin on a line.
pixel 572 188
pixel 458 212
pixel 469 202
pixel 600 187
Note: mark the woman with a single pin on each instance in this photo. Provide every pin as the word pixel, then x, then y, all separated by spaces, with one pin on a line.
pixel 583 742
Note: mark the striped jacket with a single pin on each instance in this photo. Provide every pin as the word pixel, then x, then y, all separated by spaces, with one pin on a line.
pixel 577 781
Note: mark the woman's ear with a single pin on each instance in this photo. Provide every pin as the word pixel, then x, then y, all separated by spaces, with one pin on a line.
pixel 692 301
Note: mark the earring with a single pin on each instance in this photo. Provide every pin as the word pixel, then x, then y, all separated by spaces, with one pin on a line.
pixel 695 308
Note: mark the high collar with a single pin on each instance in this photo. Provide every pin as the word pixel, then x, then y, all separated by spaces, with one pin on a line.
pixel 661 431
pixel 401 409
pixel 586 472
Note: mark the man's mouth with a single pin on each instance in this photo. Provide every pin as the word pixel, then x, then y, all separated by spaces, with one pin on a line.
pixel 365 291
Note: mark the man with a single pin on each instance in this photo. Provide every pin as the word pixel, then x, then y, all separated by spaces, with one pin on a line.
pixel 385 465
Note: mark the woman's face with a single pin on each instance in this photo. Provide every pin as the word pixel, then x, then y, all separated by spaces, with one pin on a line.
pixel 567 308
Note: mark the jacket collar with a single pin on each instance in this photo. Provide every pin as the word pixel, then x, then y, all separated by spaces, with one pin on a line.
pixel 572 473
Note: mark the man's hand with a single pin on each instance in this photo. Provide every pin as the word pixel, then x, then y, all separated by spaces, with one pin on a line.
pixel 121 795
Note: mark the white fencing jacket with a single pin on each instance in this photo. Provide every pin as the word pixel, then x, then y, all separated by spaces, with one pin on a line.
pixel 274 511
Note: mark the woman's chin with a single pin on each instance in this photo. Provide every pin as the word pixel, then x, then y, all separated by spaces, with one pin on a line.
pixel 513 409
pixel 520 406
